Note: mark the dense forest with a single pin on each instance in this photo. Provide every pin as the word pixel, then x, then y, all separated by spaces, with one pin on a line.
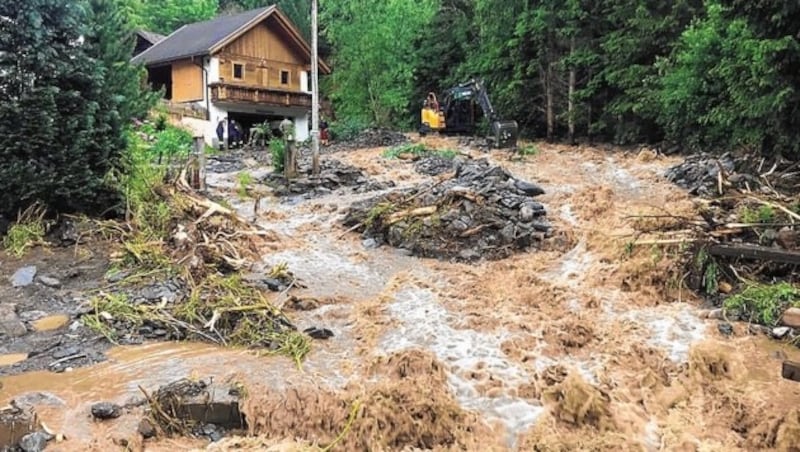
pixel 691 74
pixel 713 74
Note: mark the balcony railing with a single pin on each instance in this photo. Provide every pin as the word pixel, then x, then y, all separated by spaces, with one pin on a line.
pixel 226 92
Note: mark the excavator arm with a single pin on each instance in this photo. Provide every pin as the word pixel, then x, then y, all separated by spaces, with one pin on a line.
pixel 503 133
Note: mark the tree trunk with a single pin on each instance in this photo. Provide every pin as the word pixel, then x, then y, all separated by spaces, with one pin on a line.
pixel 571 95
pixel 551 120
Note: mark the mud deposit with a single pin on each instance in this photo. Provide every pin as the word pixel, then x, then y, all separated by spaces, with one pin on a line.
pixel 585 344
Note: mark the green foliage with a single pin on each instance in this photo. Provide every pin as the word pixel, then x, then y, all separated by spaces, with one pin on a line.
pixel 166 16
pixel 763 303
pixel 722 87
pixel 418 150
pixel 245 180
pixel 764 214
pixel 347 129
pixel 529 149
pixel 277 147
pixel 375 58
pixel 63 128
pixel 27 231
pixel 138 184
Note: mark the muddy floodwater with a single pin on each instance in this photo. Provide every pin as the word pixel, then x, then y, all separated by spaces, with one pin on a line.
pixel 582 345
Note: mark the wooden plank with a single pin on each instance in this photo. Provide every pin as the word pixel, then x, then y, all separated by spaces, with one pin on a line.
pixel 791 370
pixel 754 252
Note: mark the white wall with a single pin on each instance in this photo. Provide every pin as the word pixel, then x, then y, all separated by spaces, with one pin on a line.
pixel 304 82
pixel 301 127
pixel 213 70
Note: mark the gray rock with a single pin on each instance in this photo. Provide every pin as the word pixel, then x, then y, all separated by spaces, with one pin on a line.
pixel 529 188
pixel 369 243
pixel 24 276
pixel 10 324
pixel 780 332
pixel 106 410
pixel 726 329
pixel 49 281
pixel 526 213
pixel 39 398
pixel 66 351
pixel 508 233
pixel 34 442
pixel 146 429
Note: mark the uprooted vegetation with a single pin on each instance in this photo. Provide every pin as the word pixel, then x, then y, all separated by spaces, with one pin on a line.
pixel 480 211
pixel 175 272
pixel 745 238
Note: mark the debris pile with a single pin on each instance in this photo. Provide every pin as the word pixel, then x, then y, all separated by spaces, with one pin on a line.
pixel 190 285
pixel 333 175
pixel 434 165
pixel 193 408
pixel 481 211
pixel 708 175
pixel 368 138
pixel 745 241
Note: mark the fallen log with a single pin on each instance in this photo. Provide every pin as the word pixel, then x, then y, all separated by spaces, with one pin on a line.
pixel 409 213
pixel 755 252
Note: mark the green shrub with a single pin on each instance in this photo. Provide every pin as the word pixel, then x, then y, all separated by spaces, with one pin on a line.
pixel 277 148
pixel 418 150
pixel 346 129
pixel 763 303
pixel 529 149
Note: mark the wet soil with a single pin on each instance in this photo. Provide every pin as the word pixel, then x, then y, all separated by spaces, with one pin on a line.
pixel 587 345
pixel 41 319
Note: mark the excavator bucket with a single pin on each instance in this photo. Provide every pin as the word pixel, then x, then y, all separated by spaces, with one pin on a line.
pixel 504 134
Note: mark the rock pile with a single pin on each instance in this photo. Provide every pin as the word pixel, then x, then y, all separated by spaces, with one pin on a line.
pixel 480 212
pixel 433 165
pixel 333 175
pixel 700 173
pixel 368 138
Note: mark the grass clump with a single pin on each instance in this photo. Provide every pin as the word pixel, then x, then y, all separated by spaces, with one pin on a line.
pixel 277 148
pixel 763 303
pixel 529 149
pixel 28 230
pixel 108 308
pixel 245 180
pixel 763 214
pixel 380 209
pixel 418 150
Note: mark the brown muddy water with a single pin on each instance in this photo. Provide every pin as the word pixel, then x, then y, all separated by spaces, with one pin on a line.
pixel 576 347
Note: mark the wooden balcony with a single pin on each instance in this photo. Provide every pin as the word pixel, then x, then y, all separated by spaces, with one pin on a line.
pixel 228 92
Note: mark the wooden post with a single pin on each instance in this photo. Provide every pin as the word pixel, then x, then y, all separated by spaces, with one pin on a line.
pixel 200 161
pixel 315 168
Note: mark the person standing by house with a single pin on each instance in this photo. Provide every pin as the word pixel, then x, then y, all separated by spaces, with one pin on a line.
pixel 324 136
pixel 221 133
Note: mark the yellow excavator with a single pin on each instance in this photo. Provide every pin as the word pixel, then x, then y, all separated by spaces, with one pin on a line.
pixel 457 114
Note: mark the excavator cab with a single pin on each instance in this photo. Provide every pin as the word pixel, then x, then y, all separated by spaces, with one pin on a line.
pixel 432 117
pixel 458 114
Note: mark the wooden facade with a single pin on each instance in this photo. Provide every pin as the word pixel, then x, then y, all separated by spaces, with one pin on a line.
pixel 228 92
pixel 263 57
pixel 187 81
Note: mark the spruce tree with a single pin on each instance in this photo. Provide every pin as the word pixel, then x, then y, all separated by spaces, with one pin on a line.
pixel 67 93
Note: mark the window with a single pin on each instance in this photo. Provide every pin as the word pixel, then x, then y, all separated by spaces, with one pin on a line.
pixel 284 77
pixel 238 71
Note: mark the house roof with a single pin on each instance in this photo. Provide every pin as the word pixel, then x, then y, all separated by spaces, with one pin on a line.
pixel 150 37
pixel 204 38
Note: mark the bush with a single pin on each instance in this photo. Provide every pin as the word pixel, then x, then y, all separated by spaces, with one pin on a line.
pixel 763 303
pixel 346 129
pixel 277 148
